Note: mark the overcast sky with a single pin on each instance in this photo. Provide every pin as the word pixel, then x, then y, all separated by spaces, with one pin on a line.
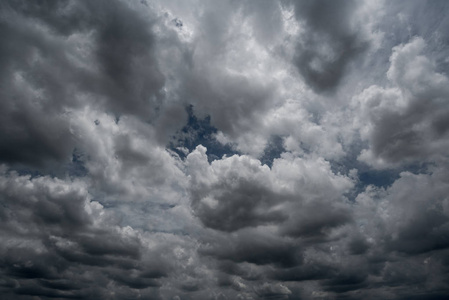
pixel 212 150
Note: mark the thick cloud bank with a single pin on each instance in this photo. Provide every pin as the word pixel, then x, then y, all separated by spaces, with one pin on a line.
pixel 168 149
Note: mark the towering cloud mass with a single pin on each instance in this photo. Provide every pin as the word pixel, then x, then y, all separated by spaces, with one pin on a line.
pixel 224 149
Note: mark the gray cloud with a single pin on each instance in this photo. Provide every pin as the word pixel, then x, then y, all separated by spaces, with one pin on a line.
pixel 216 200
pixel 257 248
pixel 407 121
pixel 331 41
pixel 53 233
pixel 97 201
pixel 308 223
pixel 63 55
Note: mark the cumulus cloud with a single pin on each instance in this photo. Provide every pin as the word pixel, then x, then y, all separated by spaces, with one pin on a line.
pixel 69 54
pixel 55 238
pixel 238 192
pixel 414 211
pixel 407 122
pixel 224 150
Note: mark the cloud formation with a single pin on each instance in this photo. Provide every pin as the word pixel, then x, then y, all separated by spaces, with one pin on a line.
pixel 331 38
pixel 224 150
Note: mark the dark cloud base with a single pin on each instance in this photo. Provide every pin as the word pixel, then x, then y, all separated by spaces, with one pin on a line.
pixel 224 150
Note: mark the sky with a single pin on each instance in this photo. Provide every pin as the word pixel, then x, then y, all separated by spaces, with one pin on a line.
pixel 213 150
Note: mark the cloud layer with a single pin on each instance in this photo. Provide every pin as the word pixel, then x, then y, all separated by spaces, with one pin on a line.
pixel 224 150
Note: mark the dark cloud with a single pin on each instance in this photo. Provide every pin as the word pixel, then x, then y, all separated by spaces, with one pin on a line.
pixel 238 200
pixel 237 192
pixel 224 150
pixel 245 205
pixel 273 291
pixel 311 271
pixel 358 245
pixel 125 51
pixel 331 41
pixel 59 223
pixel 256 248
pixel 423 225
pixel 316 220
pixel 346 282
pixel 132 281
pixel 65 54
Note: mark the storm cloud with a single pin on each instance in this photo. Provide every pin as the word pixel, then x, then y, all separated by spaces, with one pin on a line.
pixel 224 149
